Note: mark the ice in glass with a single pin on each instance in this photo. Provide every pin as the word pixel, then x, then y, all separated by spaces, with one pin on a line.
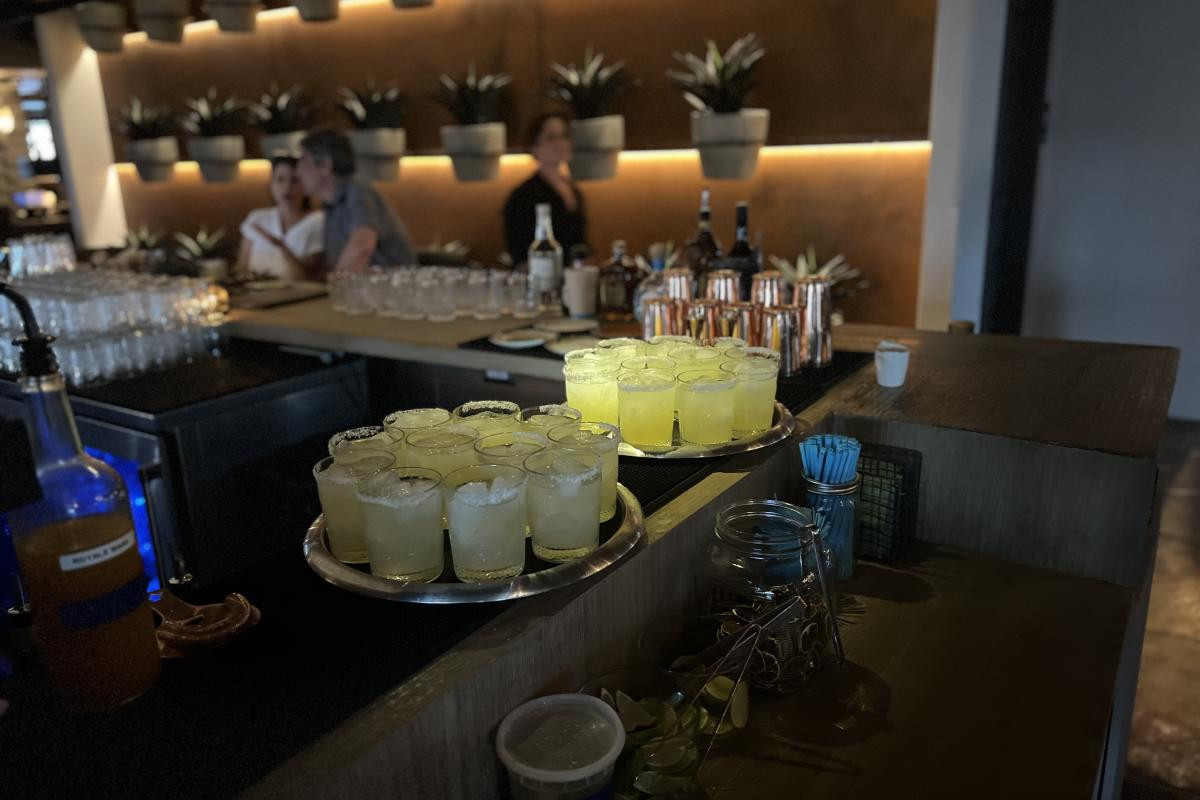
pixel 564 503
pixel 402 516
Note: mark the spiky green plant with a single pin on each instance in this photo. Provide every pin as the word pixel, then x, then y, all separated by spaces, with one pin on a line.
pixel 140 120
pixel 208 116
pixel 283 110
pixel 720 82
pixel 202 246
pixel 142 238
pixel 591 90
pixel 374 106
pixel 845 280
pixel 475 98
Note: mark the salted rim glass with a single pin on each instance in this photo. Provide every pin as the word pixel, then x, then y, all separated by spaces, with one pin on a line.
pixel 643 380
pixel 368 436
pixel 560 412
pixel 648 362
pixel 511 447
pixel 415 419
pixel 443 439
pixel 486 409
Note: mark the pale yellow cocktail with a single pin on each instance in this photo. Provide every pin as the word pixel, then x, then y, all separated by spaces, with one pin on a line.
pixel 592 390
pixel 706 400
pixel 754 397
pixel 603 440
pixel 647 407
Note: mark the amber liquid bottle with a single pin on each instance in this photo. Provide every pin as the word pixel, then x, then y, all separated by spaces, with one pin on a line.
pixel 78 554
pixel 703 248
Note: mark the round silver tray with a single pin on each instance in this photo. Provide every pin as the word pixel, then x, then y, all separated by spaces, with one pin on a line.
pixel 785 425
pixel 630 530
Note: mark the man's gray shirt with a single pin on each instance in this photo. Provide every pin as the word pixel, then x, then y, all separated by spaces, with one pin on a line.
pixel 357 205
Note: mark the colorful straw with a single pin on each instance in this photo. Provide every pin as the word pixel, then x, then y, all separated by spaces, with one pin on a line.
pixel 833 460
pixel 830 458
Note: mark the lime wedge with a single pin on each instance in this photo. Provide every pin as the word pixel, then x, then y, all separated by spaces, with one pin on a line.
pixel 666 754
pixel 718 689
pixel 633 716
pixel 739 706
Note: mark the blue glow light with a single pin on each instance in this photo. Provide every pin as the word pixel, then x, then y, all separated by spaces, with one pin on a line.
pixel 128 470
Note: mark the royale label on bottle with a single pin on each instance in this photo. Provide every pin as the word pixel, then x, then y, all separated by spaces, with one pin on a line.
pixel 543 269
pixel 96 555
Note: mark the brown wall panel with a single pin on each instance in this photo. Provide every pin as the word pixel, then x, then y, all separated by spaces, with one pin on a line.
pixel 865 201
pixel 836 70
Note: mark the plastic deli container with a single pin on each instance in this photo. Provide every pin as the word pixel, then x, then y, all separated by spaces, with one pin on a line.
pixel 560 747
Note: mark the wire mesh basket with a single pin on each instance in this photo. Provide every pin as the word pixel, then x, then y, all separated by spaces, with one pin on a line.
pixel 887 501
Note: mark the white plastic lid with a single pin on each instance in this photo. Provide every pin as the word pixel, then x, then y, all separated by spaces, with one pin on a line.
pixel 543 719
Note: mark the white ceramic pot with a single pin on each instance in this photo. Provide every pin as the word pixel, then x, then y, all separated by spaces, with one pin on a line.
pixel 234 16
pixel 729 143
pixel 154 158
pixel 162 20
pixel 377 152
pixel 475 150
pixel 102 25
pixel 411 3
pixel 218 156
pixel 213 269
pixel 316 10
pixel 595 145
pixel 281 144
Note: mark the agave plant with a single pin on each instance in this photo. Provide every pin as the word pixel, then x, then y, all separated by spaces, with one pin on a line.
pixel 720 82
pixel 843 278
pixel 283 111
pixel 201 247
pixel 142 239
pixel 142 121
pixel 374 106
pixel 209 117
pixel 591 90
pixel 476 98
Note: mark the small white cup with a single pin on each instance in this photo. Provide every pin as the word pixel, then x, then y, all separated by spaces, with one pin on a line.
pixel 579 290
pixel 891 364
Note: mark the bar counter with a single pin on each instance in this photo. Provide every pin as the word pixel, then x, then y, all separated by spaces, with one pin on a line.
pixel 1002 650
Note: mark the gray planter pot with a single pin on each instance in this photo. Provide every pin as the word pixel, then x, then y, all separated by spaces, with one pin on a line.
pixel 377 152
pixel 729 143
pixel 596 143
pixel 154 158
pixel 218 156
pixel 281 144
pixel 234 16
pixel 162 20
pixel 102 25
pixel 474 150
pixel 317 10
pixel 212 269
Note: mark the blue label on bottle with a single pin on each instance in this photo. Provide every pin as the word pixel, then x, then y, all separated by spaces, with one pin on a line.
pixel 97 611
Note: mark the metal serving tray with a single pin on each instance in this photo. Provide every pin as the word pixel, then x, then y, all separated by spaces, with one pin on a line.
pixel 785 425
pixel 618 537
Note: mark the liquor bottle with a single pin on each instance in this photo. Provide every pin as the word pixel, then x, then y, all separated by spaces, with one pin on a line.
pixel 546 263
pixel 651 287
pixel 76 548
pixel 619 277
pixel 742 257
pixel 703 247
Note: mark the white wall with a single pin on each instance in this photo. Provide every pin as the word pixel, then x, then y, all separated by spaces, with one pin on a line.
pixel 81 134
pixel 1115 250
pixel 967 62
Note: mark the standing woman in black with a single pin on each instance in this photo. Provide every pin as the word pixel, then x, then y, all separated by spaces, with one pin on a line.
pixel 550 145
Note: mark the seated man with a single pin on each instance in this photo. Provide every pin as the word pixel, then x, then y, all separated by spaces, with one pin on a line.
pixel 361 229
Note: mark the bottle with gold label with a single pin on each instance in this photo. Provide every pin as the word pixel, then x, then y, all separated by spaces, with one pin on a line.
pixel 76 549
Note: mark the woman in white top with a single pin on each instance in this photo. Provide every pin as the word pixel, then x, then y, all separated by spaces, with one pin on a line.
pixel 286 239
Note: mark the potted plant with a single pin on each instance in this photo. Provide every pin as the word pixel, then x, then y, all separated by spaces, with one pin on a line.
pixel 102 25
pixel 727 135
pixel 597 134
pixel 317 10
pixel 284 117
pixel 162 20
pixel 234 16
pixel 205 252
pixel 152 146
pixel 377 114
pixel 845 281
pixel 476 143
pixel 216 141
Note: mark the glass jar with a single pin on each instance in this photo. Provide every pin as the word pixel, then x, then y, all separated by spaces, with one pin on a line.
pixel 760 567
pixel 833 506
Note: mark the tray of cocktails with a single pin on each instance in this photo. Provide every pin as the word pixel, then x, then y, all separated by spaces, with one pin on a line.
pixel 617 538
pixel 784 424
